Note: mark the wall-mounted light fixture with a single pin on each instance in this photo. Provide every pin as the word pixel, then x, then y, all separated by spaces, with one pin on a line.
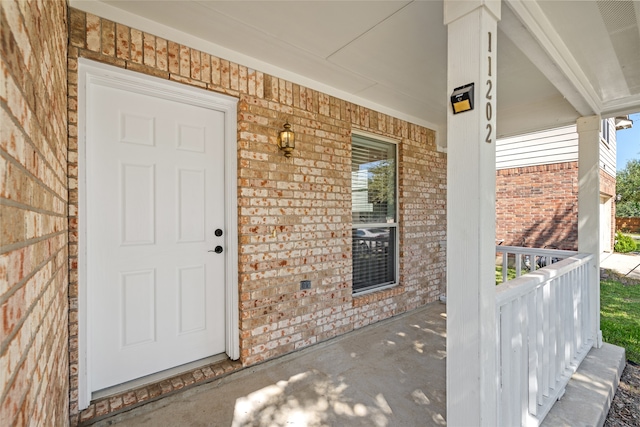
pixel 287 140
pixel 462 98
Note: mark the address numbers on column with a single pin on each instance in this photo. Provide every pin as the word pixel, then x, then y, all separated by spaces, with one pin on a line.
pixel 489 94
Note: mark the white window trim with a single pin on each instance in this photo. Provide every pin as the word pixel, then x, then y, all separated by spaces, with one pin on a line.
pixel 396 224
pixel 606 141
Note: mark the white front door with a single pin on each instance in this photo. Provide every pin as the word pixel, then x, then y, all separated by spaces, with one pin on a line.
pixel 155 216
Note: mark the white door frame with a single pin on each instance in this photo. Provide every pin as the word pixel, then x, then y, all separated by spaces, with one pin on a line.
pixel 90 73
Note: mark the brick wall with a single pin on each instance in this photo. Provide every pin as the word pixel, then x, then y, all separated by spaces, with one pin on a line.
pixel 628 225
pixel 306 200
pixel 34 376
pixel 423 225
pixel 537 206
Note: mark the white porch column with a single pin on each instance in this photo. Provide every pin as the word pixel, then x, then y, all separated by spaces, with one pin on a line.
pixel 472 374
pixel 589 209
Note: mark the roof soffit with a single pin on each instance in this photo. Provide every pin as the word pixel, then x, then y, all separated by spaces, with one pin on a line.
pixel 575 82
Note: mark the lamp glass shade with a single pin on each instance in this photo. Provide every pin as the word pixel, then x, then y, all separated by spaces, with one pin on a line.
pixel 287 140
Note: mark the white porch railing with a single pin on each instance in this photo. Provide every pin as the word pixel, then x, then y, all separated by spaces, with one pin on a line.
pixel 544 332
pixel 528 259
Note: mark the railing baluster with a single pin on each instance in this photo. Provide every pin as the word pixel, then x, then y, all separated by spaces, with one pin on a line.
pixel 505 354
pixel 515 370
pixel 584 325
pixel 562 321
pixel 546 366
pixel 575 275
pixel 532 346
pixel 553 338
pixel 523 359
pixel 568 319
pixel 586 336
pixel 505 266
pixel 579 302
pixel 540 342
pixel 533 262
pixel 557 284
pixel 591 320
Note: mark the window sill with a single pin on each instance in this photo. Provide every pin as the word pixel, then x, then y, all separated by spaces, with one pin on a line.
pixel 377 294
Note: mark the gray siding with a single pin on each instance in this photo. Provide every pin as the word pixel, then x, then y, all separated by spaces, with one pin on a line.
pixel 558 145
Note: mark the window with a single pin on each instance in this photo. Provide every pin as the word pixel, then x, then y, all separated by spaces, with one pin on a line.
pixel 604 132
pixel 374 213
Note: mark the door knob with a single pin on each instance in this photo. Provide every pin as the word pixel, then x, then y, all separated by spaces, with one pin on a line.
pixel 218 232
pixel 218 249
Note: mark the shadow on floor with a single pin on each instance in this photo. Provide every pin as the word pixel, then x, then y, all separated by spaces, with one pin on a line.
pixel 391 373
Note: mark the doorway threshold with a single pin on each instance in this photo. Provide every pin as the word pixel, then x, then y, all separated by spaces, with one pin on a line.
pixel 157 377
pixel 126 396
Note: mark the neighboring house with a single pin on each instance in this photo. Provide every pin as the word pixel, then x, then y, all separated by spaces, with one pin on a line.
pixel 537 188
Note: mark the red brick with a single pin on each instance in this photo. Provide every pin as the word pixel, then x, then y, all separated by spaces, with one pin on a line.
pixel 149 50
pixel 108 38
pixel 537 206
pixel 33 270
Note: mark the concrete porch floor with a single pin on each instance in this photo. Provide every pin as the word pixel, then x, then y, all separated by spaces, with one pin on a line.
pixel 391 373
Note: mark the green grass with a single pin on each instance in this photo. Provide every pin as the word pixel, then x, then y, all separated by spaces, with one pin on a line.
pixel 511 274
pixel 620 316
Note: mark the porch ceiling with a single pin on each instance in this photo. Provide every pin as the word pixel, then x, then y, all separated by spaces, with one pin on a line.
pixel 556 61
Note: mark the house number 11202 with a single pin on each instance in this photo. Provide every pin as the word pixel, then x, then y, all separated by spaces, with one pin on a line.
pixel 489 97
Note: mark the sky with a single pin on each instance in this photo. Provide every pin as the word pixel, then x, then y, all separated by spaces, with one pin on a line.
pixel 628 143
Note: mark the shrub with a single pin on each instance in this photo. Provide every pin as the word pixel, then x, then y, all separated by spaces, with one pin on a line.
pixel 624 243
